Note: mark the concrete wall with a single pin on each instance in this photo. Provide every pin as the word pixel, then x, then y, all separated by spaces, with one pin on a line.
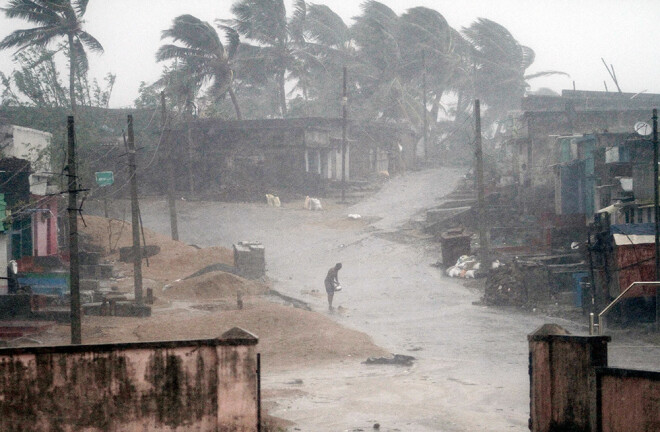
pixel 562 381
pixel 629 400
pixel 571 389
pixel 202 385
pixel 31 145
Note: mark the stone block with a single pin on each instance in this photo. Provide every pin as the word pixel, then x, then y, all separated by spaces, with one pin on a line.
pixel 250 259
pixel 126 253
pixel 89 285
pixel 89 258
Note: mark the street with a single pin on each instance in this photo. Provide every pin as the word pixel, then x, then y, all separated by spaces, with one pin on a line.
pixel 471 372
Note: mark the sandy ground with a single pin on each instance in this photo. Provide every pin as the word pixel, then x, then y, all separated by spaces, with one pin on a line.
pixel 205 306
pixel 470 372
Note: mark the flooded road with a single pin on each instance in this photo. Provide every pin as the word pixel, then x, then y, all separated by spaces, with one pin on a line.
pixel 471 372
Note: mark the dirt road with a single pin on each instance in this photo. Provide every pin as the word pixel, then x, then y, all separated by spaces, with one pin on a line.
pixel 471 367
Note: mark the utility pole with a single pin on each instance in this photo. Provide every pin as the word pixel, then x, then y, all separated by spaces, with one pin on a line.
pixel 344 103
pixel 135 218
pixel 426 121
pixel 657 217
pixel 483 240
pixel 76 338
pixel 171 202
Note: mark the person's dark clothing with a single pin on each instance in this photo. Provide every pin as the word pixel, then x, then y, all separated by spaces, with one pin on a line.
pixel 331 280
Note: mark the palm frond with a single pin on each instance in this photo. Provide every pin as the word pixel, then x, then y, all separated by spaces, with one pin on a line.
pixel 33 11
pixel 545 73
pixel 233 39
pixel 80 6
pixel 296 25
pixel 90 42
pixel 39 37
pixel 193 33
pixel 326 27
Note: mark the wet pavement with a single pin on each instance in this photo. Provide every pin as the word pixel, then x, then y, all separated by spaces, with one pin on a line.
pixel 471 372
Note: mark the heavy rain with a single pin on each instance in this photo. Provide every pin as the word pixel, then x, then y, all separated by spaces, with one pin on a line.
pixel 270 215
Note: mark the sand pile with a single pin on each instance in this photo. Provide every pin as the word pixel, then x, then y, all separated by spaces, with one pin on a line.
pixel 176 260
pixel 212 285
pixel 288 337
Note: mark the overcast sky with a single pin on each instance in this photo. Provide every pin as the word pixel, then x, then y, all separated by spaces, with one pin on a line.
pixel 567 35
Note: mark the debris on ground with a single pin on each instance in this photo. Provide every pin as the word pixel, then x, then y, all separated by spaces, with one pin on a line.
pixel 396 359
pixel 468 267
pixel 273 201
pixel 312 204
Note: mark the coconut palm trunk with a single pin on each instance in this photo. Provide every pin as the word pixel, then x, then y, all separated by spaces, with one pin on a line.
pixel 282 92
pixel 234 101
pixel 72 75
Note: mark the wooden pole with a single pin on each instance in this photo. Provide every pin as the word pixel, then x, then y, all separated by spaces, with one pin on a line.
pixel 135 220
pixel 76 328
pixel 426 121
pixel 657 217
pixel 344 103
pixel 171 202
pixel 483 239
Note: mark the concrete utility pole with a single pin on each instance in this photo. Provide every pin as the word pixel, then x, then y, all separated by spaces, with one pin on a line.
pixel 483 239
pixel 135 218
pixel 171 202
pixel 344 117
pixel 76 338
pixel 657 217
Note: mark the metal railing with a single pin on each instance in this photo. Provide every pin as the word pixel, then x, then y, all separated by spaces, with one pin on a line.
pixel 599 326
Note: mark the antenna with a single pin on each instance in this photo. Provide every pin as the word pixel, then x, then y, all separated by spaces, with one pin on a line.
pixel 610 70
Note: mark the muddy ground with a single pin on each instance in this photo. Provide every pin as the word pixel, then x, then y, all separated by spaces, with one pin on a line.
pixel 470 372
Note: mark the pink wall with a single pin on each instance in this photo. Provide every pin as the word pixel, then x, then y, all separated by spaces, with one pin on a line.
pixel 571 387
pixel 630 400
pixel 44 227
pixel 200 385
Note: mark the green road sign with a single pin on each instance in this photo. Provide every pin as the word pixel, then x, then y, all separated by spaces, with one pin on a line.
pixel 105 178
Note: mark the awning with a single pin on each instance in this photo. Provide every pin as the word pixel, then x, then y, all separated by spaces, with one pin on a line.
pixel 632 239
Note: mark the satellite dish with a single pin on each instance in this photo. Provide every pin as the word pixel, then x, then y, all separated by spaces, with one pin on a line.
pixel 642 128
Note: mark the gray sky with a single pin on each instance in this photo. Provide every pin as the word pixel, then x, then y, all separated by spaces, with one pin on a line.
pixel 567 35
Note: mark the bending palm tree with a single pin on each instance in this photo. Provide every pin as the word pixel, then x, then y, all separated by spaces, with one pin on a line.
pixel 499 64
pixel 55 18
pixel 203 54
pixel 277 39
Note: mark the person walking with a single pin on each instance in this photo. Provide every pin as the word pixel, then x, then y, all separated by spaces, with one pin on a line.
pixel 331 283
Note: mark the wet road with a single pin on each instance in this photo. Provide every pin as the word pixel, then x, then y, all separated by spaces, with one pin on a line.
pixel 471 372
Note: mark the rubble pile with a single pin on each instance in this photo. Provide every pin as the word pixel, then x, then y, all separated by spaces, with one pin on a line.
pixel 504 288
pixel 519 283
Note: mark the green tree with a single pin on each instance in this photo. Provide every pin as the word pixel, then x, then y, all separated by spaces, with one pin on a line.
pixel 276 41
pixel 36 82
pixel 54 19
pixel 203 56
pixel 498 66
pixel 328 47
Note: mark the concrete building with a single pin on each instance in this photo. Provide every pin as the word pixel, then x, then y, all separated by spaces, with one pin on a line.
pixel 25 171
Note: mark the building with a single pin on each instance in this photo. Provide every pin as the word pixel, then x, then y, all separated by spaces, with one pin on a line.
pixel 30 219
pixel 248 158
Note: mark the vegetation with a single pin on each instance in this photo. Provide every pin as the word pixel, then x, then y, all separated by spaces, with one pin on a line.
pixel 265 61
pixel 54 19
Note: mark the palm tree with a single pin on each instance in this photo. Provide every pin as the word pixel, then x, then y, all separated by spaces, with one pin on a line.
pixel 55 19
pixel 276 48
pixel 327 47
pixel 385 88
pixel 205 58
pixel 499 63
